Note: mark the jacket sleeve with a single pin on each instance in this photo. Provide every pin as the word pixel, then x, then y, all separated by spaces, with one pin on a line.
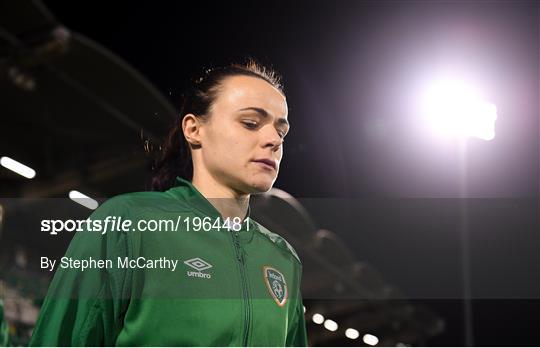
pixel 296 334
pixel 85 308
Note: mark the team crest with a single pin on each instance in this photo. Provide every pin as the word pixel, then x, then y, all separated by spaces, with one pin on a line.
pixel 276 285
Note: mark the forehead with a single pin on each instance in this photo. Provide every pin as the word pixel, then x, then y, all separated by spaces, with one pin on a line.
pixel 238 92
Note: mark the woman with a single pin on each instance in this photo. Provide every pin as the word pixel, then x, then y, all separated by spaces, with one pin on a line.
pixel 215 277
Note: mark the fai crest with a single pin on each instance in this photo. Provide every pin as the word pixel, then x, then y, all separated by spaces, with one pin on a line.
pixel 275 283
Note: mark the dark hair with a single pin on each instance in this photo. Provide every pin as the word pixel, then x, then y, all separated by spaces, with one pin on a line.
pixel 175 157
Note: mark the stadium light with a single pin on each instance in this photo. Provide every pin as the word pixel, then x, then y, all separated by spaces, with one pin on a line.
pixel 454 107
pixel 83 199
pixel 17 167
pixel 318 318
pixel 330 325
pixel 370 340
pixel 352 333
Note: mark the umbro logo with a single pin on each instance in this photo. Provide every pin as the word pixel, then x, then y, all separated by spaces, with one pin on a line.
pixel 199 265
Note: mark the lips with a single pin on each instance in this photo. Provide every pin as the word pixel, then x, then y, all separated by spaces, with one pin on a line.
pixel 270 162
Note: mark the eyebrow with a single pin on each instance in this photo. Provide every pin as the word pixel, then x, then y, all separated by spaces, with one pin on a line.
pixel 264 114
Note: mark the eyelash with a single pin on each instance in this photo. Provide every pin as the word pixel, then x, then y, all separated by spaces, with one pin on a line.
pixel 253 125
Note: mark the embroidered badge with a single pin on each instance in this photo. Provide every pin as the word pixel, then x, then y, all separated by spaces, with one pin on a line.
pixel 276 285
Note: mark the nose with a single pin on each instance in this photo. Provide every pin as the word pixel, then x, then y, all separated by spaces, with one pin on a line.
pixel 274 140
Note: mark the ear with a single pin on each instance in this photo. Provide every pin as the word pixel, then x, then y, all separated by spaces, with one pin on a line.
pixel 191 126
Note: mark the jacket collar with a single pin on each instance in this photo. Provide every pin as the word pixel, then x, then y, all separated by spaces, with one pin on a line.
pixel 184 189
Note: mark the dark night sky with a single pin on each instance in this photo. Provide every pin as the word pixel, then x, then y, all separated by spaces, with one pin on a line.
pixel 350 71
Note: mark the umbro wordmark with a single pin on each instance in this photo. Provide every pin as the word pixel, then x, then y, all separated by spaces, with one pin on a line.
pixel 199 265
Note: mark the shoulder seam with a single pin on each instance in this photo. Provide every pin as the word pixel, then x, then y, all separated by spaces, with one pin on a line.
pixel 267 233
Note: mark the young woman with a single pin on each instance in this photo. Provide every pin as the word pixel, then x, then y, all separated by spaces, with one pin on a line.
pixel 192 269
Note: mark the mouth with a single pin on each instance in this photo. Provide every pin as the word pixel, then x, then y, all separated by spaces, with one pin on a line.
pixel 267 163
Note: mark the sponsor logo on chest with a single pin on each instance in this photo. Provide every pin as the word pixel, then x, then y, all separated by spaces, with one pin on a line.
pixel 198 265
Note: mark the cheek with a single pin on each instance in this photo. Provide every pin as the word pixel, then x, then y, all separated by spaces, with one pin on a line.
pixel 232 148
pixel 219 138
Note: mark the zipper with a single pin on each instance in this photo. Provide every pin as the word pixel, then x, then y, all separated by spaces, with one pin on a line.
pixel 245 292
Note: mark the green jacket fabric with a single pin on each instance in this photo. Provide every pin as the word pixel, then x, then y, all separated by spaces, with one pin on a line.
pixel 232 286
pixel 4 334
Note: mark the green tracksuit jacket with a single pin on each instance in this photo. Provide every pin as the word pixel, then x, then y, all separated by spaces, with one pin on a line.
pixel 228 288
pixel 4 335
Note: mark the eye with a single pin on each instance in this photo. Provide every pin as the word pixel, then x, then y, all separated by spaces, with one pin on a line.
pixel 254 125
pixel 250 124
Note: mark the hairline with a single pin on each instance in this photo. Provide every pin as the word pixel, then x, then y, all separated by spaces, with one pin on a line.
pixel 221 83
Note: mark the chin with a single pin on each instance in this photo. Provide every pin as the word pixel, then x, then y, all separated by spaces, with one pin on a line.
pixel 261 186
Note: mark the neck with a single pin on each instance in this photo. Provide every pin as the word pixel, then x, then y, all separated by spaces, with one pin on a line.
pixel 227 201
